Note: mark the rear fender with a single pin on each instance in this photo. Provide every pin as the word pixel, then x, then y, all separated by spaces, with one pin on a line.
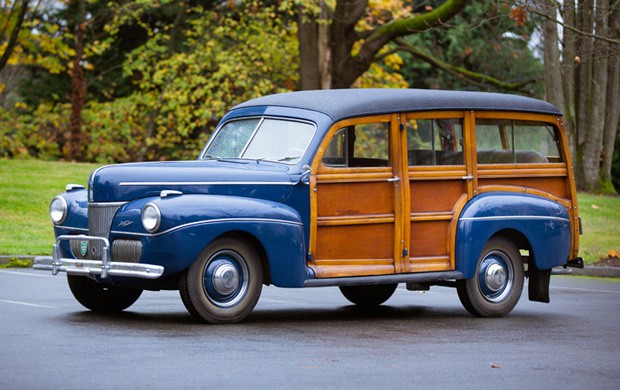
pixel 544 223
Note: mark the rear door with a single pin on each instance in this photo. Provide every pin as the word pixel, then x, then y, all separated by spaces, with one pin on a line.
pixel 440 181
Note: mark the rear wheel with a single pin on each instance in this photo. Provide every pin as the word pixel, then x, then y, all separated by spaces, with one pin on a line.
pixel 496 287
pixel 372 295
pixel 97 297
pixel 223 285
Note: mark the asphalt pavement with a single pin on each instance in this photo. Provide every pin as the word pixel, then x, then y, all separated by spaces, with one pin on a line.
pixel 308 339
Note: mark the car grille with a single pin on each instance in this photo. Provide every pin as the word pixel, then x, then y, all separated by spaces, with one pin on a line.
pixel 100 216
pixel 128 251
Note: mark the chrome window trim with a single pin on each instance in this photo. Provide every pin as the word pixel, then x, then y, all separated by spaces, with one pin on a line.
pixel 504 217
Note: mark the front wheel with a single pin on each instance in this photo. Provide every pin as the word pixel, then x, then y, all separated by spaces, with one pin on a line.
pixel 496 287
pixel 100 298
pixel 223 285
pixel 372 295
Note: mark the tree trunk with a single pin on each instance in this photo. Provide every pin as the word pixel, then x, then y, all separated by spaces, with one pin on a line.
pixel 553 72
pixel 612 114
pixel 78 86
pixel 308 36
pixel 346 68
pixel 595 115
pixel 569 59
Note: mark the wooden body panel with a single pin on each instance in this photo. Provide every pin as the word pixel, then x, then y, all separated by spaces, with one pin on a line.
pixel 366 223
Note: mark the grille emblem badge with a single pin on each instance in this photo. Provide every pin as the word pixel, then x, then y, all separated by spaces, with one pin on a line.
pixel 83 248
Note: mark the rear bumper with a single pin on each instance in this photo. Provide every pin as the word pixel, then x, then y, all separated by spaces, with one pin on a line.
pixel 104 267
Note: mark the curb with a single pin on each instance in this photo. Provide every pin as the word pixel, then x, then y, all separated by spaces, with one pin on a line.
pixel 599 272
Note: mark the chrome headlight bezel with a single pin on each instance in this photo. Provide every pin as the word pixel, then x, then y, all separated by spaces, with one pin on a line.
pixel 58 210
pixel 151 217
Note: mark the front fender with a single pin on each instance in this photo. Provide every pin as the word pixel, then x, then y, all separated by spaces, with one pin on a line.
pixel 543 222
pixel 190 222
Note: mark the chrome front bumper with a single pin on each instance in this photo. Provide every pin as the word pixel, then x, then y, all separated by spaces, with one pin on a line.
pixel 104 267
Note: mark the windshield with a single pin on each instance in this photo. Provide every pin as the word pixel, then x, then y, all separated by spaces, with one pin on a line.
pixel 261 139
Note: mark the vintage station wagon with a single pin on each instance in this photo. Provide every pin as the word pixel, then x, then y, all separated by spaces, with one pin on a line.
pixel 361 189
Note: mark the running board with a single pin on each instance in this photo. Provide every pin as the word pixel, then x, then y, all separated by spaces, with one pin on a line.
pixel 426 277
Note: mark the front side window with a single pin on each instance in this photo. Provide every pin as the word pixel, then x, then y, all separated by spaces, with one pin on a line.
pixel 261 139
pixel 435 141
pixel 504 141
pixel 360 145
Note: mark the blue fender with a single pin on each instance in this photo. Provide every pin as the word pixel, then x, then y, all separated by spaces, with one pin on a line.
pixel 191 222
pixel 543 222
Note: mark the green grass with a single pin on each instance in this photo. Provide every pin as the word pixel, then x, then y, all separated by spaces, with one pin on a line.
pixel 600 216
pixel 26 189
pixel 27 186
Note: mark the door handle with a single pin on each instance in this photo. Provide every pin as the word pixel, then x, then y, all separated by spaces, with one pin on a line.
pixel 394 179
pixel 468 177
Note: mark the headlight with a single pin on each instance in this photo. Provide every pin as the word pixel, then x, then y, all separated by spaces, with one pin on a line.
pixel 151 217
pixel 58 210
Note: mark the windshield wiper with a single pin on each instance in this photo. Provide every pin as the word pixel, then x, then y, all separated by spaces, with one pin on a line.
pixel 237 160
pixel 290 158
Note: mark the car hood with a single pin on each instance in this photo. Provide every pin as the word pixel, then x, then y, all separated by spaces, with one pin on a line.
pixel 255 179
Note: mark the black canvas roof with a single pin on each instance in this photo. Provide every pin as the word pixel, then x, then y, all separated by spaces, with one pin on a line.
pixel 348 103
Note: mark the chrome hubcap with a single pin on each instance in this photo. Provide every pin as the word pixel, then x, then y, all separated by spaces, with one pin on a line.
pixel 495 276
pixel 225 278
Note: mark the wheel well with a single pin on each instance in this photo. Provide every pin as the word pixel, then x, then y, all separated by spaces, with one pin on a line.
pixel 258 247
pixel 522 243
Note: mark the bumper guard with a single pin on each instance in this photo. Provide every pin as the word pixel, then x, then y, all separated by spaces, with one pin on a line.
pixel 104 267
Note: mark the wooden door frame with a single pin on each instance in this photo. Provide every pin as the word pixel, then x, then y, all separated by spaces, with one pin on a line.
pixel 346 174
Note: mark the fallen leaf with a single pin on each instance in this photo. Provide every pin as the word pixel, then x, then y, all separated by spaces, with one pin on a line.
pixel 614 254
pixel 595 207
pixel 493 365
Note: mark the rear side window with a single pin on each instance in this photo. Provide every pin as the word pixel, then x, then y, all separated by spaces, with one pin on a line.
pixel 435 141
pixel 500 141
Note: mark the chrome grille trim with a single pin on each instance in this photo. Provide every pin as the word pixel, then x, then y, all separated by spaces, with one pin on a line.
pixel 128 251
pixel 100 216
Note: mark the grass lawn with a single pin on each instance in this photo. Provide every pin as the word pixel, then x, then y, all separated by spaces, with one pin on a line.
pixel 600 218
pixel 27 187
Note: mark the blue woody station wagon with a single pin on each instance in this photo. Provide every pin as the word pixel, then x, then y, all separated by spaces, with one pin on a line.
pixel 362 189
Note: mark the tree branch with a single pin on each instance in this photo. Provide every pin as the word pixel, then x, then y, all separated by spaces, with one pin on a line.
pixel 570 27
pixel 462 73
pixel 14 34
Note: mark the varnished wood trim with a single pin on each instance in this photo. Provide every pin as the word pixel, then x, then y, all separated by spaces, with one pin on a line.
pixel 355 220
pixel 429 263
pixel 445 172
pixel 520 172
pixel 518 116
pixel 432 216
pixel 524 190
pixel 355 176
pixel 335 271
pixel 451 241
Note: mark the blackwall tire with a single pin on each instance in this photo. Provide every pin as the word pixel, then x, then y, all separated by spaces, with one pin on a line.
pixel 368 296
pixel 497 284
pixel 223 285
pixel 97 297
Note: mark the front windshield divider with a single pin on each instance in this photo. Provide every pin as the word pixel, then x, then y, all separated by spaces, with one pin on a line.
pixel 247 144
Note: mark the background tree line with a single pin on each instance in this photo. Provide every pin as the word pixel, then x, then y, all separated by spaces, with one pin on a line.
pixel 114 81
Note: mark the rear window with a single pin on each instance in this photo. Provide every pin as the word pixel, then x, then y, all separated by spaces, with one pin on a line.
pixel 500 141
